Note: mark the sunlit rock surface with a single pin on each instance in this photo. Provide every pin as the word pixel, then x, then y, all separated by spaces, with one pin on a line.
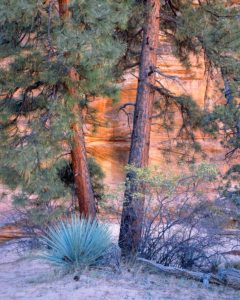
pixel 111 141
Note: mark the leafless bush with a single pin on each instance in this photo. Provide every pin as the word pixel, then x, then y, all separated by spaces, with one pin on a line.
pixel 27 220
pixel 186 235
pixel 181 226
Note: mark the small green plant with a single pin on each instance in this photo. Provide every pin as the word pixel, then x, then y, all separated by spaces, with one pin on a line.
pixel 76 242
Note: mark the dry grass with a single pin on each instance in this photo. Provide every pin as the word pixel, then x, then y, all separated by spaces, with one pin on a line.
pixel 24 278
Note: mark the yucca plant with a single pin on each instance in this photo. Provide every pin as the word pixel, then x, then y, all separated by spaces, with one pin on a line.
pixel 76 242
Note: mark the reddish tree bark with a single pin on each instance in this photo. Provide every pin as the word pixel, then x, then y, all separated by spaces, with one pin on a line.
pixel 82 180
pixel 133 207
pixel 63 8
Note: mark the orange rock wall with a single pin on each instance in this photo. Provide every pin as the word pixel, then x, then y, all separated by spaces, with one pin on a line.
pixel 110 143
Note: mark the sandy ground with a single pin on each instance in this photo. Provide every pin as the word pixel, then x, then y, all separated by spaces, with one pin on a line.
pixel 22 277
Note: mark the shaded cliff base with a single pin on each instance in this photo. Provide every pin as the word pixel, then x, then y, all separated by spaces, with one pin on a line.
pixel 23 278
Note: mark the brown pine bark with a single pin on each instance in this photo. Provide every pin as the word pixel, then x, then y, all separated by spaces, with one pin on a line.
pixel 63 8
pixel 82 180
pixel 133 207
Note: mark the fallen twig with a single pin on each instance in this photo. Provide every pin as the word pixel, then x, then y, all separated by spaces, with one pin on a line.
pixel 228 277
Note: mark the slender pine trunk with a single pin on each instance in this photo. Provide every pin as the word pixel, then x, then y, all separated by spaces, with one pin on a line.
pixel 133 207
pixel 82 180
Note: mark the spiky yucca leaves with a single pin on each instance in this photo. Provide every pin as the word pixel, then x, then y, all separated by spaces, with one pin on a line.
pixel 76 242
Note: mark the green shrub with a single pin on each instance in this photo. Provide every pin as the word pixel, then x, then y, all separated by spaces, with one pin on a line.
pixel 76 242
pixel 43 201
pixel 96 173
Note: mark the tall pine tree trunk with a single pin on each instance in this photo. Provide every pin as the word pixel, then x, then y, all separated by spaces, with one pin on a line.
pixel 133 207
pixel 82 180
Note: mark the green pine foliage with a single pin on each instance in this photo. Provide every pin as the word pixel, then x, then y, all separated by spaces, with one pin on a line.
pixel 96 173
pixel 97 176
pixel 35 107
pixel 228 117
pixel 212 27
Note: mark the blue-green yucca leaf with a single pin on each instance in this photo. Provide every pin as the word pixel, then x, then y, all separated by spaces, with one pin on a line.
pixel 76 242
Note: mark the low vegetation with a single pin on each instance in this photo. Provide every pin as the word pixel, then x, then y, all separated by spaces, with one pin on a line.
pixel 75 242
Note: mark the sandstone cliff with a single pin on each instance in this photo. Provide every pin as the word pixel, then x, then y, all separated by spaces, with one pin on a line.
pixel 110 143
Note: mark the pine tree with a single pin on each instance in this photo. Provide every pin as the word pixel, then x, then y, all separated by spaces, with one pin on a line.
pixel 132 214
pixel 211 27
pixel 56 56
pixel 214 27
pixel 81 173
